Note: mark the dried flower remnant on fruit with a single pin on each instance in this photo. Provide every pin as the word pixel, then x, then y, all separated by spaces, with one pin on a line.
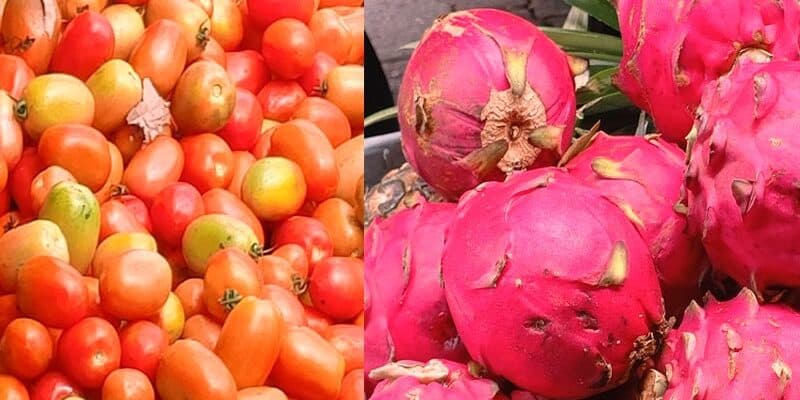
pixel 398 190
pixel 151 114
pixel 432 379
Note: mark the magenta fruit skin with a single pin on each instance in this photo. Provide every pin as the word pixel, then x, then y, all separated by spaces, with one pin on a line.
pixel 449 381
pixel 743 173
pixel 671 50
pixel 550 286
pixel 406 315
pixel 476 77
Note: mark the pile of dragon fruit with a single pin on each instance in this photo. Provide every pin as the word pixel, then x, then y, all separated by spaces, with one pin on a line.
pixel 516 257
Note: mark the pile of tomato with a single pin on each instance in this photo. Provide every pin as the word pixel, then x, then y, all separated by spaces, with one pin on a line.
pixel 181 187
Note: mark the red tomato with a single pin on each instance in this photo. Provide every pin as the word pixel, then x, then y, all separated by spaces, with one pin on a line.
pixel 128 384
pixel 220 201
pixel 202 329
pixel 336 287
pixel 247 70
pixel 160 54
pixel 135 284
pixel 11 137
pixel 26 348
pixel 302 142
pixel 231 275
pixel 138 208
pixel 317 320
pixel 88 34
pixel 190 293
pixel 172 211
pixel 327 117
pixel 14 75
pixel 296 256
pixel 264 12
pixel 349 341
pixel 209 162
pixel 89 351
pixel 8 310
pixel 288 48
pixel 331 34
pixel 29 165
pixel 93 288
pixel 214 52
pixel 54 385
pixel 352 386
pixel 116 218
pixel 244 126
pixel 312 79
pixel 142 343
pixel 308 367
pixel 81 150
pixel 279 99
pixel 154 167
pixel 12 389
pixel 277 271
pixel 290 307
pixel 308 233
pixel 45 278
pixel 205 378
pixel 242 161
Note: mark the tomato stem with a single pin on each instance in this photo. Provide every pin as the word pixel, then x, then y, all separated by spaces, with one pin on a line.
pixel 230 298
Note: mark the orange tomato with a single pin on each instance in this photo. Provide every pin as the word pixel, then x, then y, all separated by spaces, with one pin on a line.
pixel 192 19
pixel 349 341
pixel 221 201
pixel 71 8
pixel 44 181
pixel 250 341
pixel 296 255
pixel 170 317
pixel 190 294
pixel 352 386
pixel 135 285
pixel 81 150
pixel 209 162
pixel 44 278
pixel 12 389
pixel 288 48
pixel 54 99
pixel 226 24
pixel 287 303
pixel 154 167
pixel 242 161
pixel 308 367
pixel 274 188
pixel 118 243
pixel 93 288
pixel 277 271
pixel 14 74
pixel 114 176
pixel 128 27
pixel 340 221
pixel 8 310
pixel 207 377
pixel 302 142
pixel 231 275
pixel 11 136
pixel 202 329
pixel 203 99
pixel 350 161
pixel 317 320
pixel 331 34
pixel 327 117
pixel 31 30
pixel 215 53
pixel 128 140
pixel 115 217
pixel 160 55
pixel 334 3
pixel 128 384
pixel 353 17
pixel 261 393
pixel 206 5
pixel 26 348
pixel 344 87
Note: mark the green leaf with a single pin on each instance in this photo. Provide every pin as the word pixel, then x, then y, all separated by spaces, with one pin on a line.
pixel 380 116
pixel 601 10
pixel 610 102
pixel 586 44
pixel 600 84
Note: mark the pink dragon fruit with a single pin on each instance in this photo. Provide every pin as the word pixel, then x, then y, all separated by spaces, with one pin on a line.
pixel 485 93
pixel 550 286
pixel 743 177
pixel 672 49
pixel 729 350
pixel 434 380
pixel 643 176
pixel 406 313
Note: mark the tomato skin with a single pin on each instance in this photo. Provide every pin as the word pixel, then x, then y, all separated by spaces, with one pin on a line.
pixel 352 386
pixel 308 233
pixel 349 341
pixel 350 160
pixel 244 126
pixel 308 367
pixel 296 255
pixel 331 34
pixel 11 136
pixel 264 12
pixel 128 27
pixel 44 181
pixel 173 209
pixel 290 307
pixel 209 162
pixel 327 117
pixel 154 167
pixel 138 208
pixel 81 150
pixel 250 340
pixel 54 99
pixel 12 389
pixel 116 218
pixel 43 278
pixel 53 385
pixel 160 55
pixel 202 329
pixel 88 351
pixel 344 87
pixel 288 48
pixel 302 142
pixel 88 34
pixel 242 161
pixel 214 53
pixel 311 80
pixel 142 343
pixel 209 379
pixel 40 21
pixel 170 318
pixel 261 393
pixel 203 99
pixel 29 165
pixel 193 20
pixel 220 201
pixel 8 310
pixel 317 320
pixel 114 175
pixel 277 271
pixel 247 70
pixel 14 74
pixel 128 384
pixel 230 273
pixel 135 285
pixel 26 348
pixel 190 293
pixel 354 18
pixel 226 24
pixel 339 219
pixel 274 188
pixel 118 89
pixel 336 287
pixel 279 99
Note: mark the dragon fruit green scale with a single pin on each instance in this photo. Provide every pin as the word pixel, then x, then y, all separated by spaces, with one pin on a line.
pixel 743 178
pixel 551 272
